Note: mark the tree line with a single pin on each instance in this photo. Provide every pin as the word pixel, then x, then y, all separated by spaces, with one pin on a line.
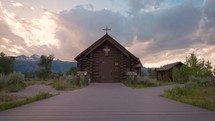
pixel 193 67
pixel 43 72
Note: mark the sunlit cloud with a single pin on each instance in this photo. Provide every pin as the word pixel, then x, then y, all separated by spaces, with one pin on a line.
pixel 32 8
pixel 17 4
pixel 38 31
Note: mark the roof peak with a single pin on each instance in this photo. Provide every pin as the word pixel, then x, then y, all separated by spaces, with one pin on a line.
pixel 103 39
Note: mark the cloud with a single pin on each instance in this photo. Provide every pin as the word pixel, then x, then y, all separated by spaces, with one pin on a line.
pixel 22 36
pixel 138 6
pixel 1 5
pixel 78 28
pixel 154 30
pixel 17 4
pixel 32 8
pixel 207 26
pixel 171 30
pixel 10 41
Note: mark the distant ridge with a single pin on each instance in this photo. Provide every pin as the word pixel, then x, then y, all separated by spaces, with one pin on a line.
pixel 26 64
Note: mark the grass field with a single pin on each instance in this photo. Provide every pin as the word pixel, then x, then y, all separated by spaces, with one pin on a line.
pixel 142 85
pixel 203 97
pixel 11 103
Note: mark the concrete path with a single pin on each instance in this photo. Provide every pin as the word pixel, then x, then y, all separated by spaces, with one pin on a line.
pixel 108 102
pixel 33 90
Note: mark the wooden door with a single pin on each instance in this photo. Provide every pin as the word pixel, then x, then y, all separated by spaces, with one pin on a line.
pixel 106 70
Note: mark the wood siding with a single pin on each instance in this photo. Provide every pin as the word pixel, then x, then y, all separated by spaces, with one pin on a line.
pixel 103 67
pixel 92 63
pixel 166 75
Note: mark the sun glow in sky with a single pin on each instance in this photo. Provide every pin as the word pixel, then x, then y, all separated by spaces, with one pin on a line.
pixel 157 31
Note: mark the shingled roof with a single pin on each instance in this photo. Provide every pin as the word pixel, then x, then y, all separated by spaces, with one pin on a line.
pixel 168 66
pixel 103 39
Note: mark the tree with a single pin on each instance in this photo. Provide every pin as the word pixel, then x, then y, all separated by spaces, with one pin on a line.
pixel 6 64
pixel 72 70
pixel 214 71
pixel 45 66
pixel 193 67
pixel 180 74
pixel 152 73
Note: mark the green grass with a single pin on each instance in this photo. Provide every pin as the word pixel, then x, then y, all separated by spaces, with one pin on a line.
pixel 12 104
pixel 8 98
pixel 137 85
pixel 142 85
pixel 203 97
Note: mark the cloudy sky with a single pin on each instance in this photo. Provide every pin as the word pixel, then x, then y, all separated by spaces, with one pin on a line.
pixel 156 31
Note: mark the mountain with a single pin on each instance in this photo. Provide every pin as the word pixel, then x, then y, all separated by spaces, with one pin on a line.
pixel 26 58
pixel 27 64
pixel 144 70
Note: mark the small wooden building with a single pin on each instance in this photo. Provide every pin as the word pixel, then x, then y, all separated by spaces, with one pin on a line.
pixel 107 61
pixel 164 73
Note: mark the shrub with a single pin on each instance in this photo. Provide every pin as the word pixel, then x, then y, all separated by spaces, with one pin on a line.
pixel 147 81
pixel 191 85
pixel 205 82
pixel 15 82
pixel 59 84
pixel 2 81
pixel 71 79
pixel 15 78
pixel 16 88
pixel 142 81
pixel 68 83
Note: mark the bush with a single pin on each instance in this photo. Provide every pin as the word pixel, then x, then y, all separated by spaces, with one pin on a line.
pixel 141 82
pixel 71 79
pixel 67 83
pixel 204 82
pixel 13 82
pixel 147 81
pixel 2 81
pixel 59 84
pixel 191 85
pixel 15 78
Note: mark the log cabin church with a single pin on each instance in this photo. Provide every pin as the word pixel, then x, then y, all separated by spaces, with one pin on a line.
pixel 107 61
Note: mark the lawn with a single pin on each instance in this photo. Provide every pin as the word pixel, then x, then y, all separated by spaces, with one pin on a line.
pixel 203 97
pixel 11 102
pixel 146 85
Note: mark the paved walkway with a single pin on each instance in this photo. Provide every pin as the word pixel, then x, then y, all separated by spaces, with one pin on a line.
pixel 108 102
pixel 33 90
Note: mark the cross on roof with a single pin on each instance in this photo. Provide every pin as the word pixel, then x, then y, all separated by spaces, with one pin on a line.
pixel 106 29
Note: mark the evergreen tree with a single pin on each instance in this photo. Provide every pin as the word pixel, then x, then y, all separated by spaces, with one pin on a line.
pixel 6 64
